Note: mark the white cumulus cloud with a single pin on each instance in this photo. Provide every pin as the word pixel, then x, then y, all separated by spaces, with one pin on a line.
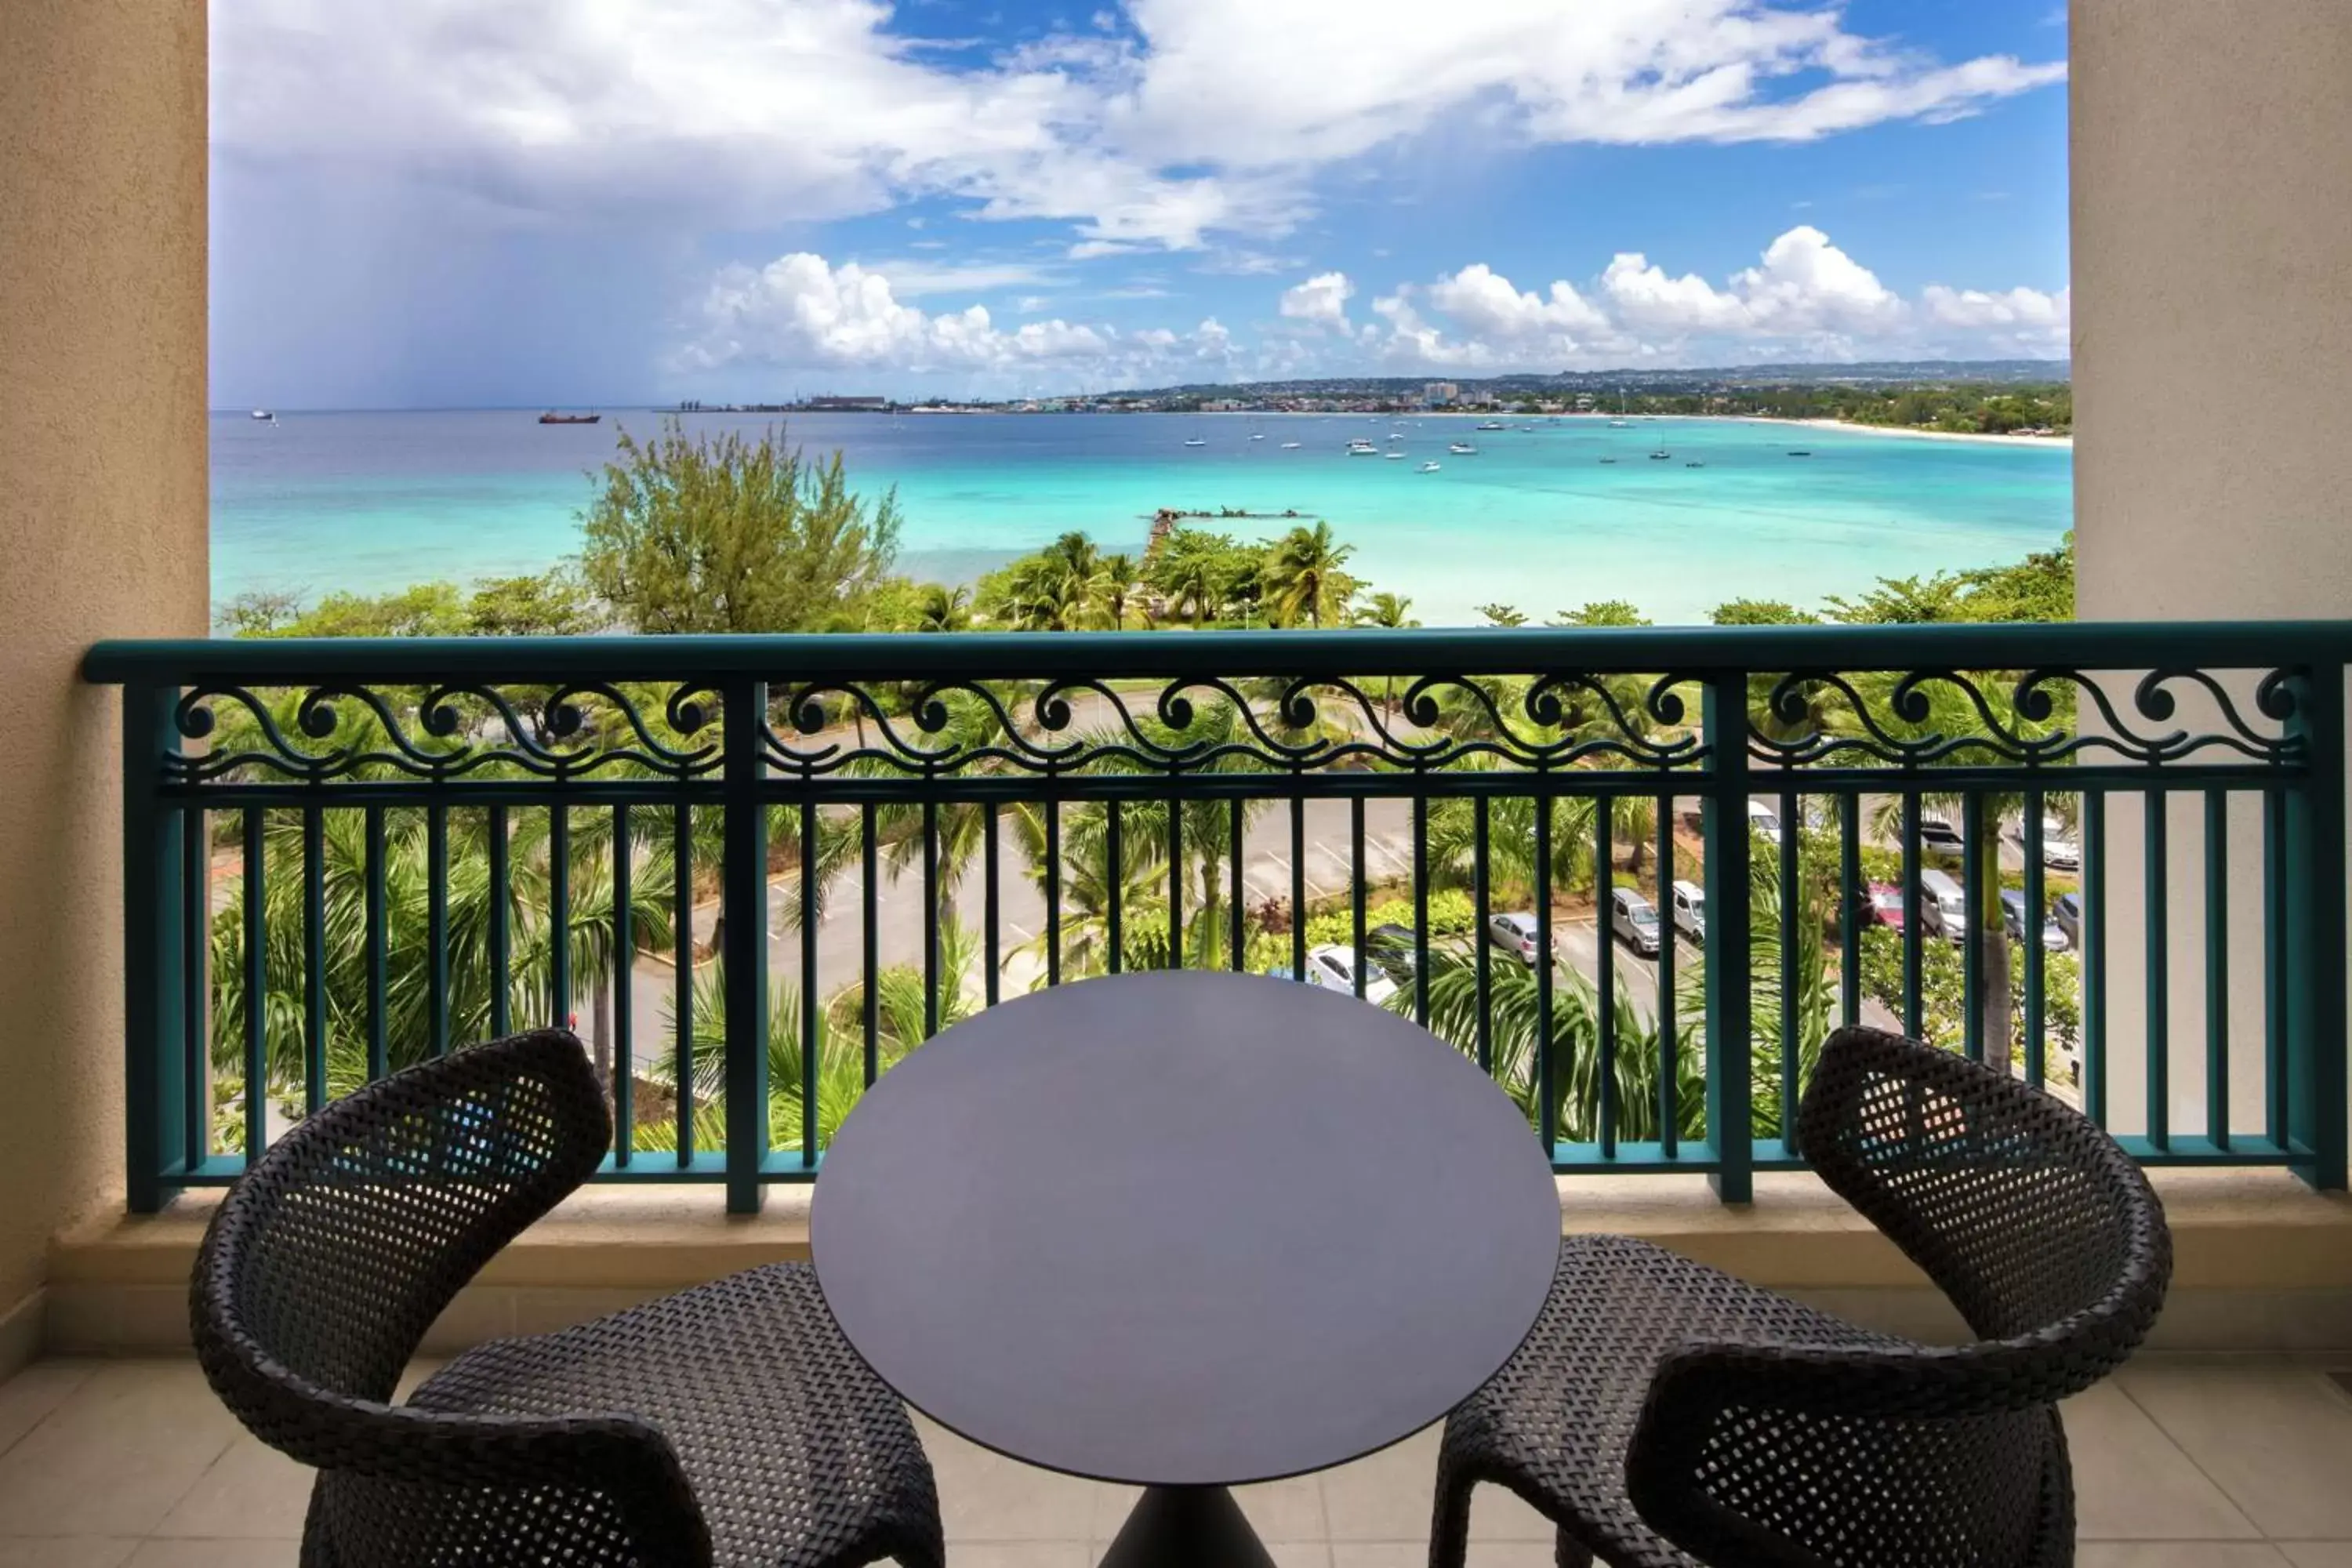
pixel 1321 301
pixel 1803 286
pixel 1200 119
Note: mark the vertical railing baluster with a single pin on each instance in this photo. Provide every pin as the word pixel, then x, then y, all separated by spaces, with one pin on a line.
pixel 1547 1080
pixel 1420 906
pixel 314 959
pixel 2156 880
pixel 1669 1044
pixel 992 938
pixel 1115 863
pixel 501 914
pixel 931 918
pixel 2037 1028
pixel 1175 883
pixel 1857 909
pixel 1053 874
pixel 1791 1052
pixel 436 925
pixel 682 994
pixel 2217 967
pixel 1730 999
pixel 2094 955
pixel 1914 1003
pixel 1604 969
pixel 870 933
pixel 623 988
pixel 2275 1070
pixel 1236 911
pixel 743 918
pixel 378 942
pixel 1482 901
pixel 256 1000
pixel 558 914
pixel 1355 887
pixel 811 1025
pixel 160 1104
pixel 195 964
pixel 1975 937
pixel 2315 926
pixel 1297 886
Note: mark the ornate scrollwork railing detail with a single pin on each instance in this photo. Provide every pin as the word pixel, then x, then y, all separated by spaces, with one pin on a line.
pixel 1187 724
pixel 341 732
pixel 1929 717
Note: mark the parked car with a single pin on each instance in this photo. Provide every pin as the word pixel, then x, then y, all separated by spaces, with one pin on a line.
pixel 1883 906
pixel 1937 834
pixel 1690 910
pixel 1391 948
pixel 1514 933
pixel 2066 914
pixel 2013 918
pixel 1634 920
pixel 1765 821
pixel 1333 968
pixel 1943 909
pixel 2061 849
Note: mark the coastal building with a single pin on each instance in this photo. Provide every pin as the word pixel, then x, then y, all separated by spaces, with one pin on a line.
pixel 2208 251
pixel 848 404
pixel 1438 393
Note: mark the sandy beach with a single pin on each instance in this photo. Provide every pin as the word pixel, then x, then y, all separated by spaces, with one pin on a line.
pixel 2064 441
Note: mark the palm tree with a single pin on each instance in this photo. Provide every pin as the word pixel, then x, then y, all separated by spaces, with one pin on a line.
pixel 1116 588
pixel 1194 581
pixel 943 609
pixel 1575 1047
pixel 1390 611
pixel 840 1046
pixel 1088 884
pixel 1304 575
pixel 596 948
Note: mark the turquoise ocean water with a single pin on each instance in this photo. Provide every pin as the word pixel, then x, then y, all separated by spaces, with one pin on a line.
pixel 369 502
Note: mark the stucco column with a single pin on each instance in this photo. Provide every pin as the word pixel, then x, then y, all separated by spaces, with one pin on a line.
pixel 102 533
pixel 2213 309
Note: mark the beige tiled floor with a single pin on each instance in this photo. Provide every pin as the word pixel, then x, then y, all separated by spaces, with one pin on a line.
pixel 2179 1463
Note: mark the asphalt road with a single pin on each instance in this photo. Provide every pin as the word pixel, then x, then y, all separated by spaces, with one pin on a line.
pixel 900 918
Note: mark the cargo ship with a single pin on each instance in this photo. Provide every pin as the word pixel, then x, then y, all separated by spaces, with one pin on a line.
pixel 553 418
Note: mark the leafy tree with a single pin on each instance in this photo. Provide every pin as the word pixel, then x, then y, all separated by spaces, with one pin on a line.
pixel 1904 601
pixel 716 533
pixel 1196 571
pixel 1760 613
pixel 1503 615
pixel 1602 612
pixel 1304 572
pixel 550 603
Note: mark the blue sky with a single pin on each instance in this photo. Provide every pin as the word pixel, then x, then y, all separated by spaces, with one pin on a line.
pixel 484 202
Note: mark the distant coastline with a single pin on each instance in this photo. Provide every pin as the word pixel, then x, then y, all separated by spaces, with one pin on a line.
pixel 2066 441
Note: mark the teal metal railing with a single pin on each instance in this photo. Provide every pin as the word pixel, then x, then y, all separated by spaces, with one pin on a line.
pixel 745 867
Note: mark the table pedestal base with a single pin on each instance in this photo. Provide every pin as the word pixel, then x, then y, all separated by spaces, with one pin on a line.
pixel 1186 1527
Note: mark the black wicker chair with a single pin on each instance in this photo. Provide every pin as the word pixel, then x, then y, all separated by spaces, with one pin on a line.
pixel 729 1425
pixel 1664 1415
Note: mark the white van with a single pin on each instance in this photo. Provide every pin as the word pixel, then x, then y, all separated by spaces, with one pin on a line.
pixel 1690 910
pixel 1765 821
pixel 1943 908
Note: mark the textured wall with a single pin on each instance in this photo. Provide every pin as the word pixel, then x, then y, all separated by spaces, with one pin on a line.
pixel 2212 306
pixel 102 533
pixel 2212 253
